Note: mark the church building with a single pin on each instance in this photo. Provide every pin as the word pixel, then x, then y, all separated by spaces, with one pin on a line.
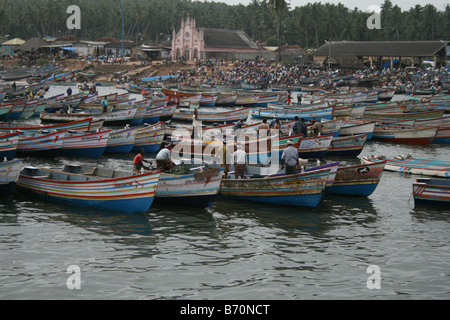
pixel 191 43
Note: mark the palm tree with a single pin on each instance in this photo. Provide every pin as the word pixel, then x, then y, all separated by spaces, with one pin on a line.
pixel 278 6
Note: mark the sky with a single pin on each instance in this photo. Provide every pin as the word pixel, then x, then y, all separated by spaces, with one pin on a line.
pixel 362 5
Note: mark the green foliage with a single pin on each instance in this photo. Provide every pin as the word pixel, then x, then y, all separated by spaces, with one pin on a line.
pixel 154 20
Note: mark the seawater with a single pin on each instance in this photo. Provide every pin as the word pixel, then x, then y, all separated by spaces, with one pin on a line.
pixel 233 250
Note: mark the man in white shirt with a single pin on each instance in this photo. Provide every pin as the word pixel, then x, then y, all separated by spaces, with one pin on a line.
pixel 163 158
pixel 290 158
pixel 239 160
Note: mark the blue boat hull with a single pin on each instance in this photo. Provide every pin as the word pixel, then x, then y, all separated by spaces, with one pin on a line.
pixel 129 206
pixel 84 152
pixel 120 149
pixel 8 154
pixel 148 149
pixel 151 120
pixel 353 190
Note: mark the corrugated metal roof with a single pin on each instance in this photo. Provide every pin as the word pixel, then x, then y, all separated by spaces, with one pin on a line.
pixel 382 48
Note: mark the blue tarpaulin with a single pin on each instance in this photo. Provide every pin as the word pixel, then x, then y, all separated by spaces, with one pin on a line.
pixel 67 48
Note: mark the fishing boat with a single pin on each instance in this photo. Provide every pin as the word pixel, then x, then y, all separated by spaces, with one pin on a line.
pixel 9 174
pixel 193 189
pixel 82 144
pixel 350 146
pixel 314 147
pixel 92 187
pixel 85 124
pixel 121 141
pixel 149 137
pixel 41 143
pixel 384 115
pixel 301 189
pixel 411 165
pixel 431 191
pixel 359 180
pixel 212 117
pixel 290 114
pixel 8 144
pixel 414 135
pixel 355 127
pixel 114 118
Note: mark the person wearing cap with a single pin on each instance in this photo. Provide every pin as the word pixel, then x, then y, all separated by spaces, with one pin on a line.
pixel 163 158
pixel 289 158
pixel 239 158
pixel 316 129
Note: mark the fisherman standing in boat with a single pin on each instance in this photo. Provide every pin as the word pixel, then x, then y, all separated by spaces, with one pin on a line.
pixel 290 158
pixel 239 158
pixel 139 162
pixel 105 105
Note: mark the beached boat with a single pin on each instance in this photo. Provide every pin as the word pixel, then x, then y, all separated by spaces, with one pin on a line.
pixel 9 173
pixel 350 146
pixel 82 144
pixel 8 145
pixel 193 189
pixel 114 118
pixel 92 187
pixel 385 115
pixel 41 143
pixel 290 114
pixel 408 164
pixel 302 189
pixel 149 137
pixel 212 117
pixel 80 125
pixel 121 141
pixel 355 127
pixel 313 147
pixel 414 135
pixel 359 180
pixel 431 191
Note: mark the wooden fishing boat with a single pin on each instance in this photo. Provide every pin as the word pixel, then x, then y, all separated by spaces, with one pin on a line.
pixel 212 117
pixel 290 114
pixel 149 137
pixel 431 191
pixel 226 100
pixel 121 141
pixel 168 111
pixel 414 135
pixel 350 146
pixel 328 127
pixel 383 115
pixel 359 180
pixel 314 147
pixel 8 145
pixel 9 174
pixel 246 100
pixel 41 144
pixel 114 118
pixel 81 144
pixel 85 124
pixel 355 127
pixel 193 189
pixel 301 189
pixel 407 164
pixel 92 187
